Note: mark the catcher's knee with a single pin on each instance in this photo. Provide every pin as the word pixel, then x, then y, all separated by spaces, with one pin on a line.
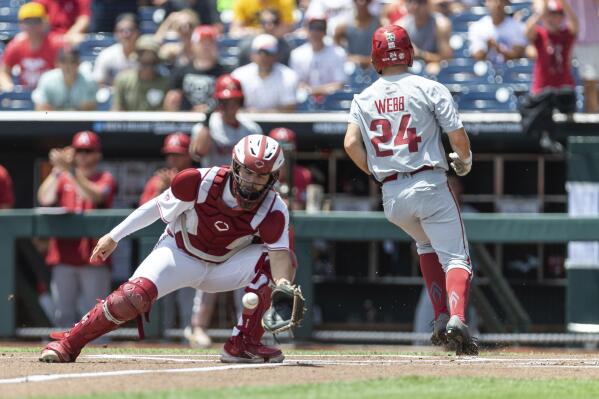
pixel 131 299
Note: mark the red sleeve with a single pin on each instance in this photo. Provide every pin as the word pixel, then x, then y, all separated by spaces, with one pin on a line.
pixel 108 187
pixel 272 227
pixel 11 54
pixel 186 184
pixel 150 191
pixel 84 7
pixel 7 198
pixel 540 31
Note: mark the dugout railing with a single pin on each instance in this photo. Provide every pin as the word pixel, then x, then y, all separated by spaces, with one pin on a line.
pixel 344 226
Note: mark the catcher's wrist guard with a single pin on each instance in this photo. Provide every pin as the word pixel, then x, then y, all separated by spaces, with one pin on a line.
pixel 287 309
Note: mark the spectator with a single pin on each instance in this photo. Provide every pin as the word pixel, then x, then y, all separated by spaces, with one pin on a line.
pixel 214 142
pixel 192 85
pixel 119 56
pixel 70 18
pixel 429 32
pixel 33 50
pixel 356 35
pixel 206 10
pixel 246 14
pixel 7 198
pixel 144 87
pixel 552 82
pixel 65 88
pixel 267 84
pixel 77 185
pixel 496 37
pixel 336 12
pixel 587 50
pixel 103 12
pixel 291 186
pixel 319 66
pixel 270 21
pixel 181 25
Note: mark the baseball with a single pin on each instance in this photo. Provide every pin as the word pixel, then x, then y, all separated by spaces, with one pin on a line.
pixel 250 300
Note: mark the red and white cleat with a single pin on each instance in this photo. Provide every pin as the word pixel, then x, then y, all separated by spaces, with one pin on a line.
pixel 56 352
pixel 239 350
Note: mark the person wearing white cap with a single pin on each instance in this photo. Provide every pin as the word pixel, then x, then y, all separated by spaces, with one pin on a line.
pixel 267 85
pixel 319 65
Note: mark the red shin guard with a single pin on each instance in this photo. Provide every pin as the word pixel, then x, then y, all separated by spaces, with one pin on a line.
pixel 434 280
pixel 251 320
pixel 131 299
pixel 458 288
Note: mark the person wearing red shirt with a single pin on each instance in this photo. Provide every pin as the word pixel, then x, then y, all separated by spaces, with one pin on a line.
pixel 553 83
pixel 553 41
pixel 7 199
pixel 77 185
pixel 70 18
pixel 302 176
pixel 176 152
pixel 34 50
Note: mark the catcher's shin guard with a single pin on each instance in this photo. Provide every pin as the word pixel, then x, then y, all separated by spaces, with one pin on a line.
pixel 250 324
pixel 131 299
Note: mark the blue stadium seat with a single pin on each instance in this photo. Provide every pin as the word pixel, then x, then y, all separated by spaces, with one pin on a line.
pixel 487 98
pixel 104 99
pixel 517 74
pixel 8 30
pixel 338 101
pixel 17 100
pixel 93 44
pixel 461 22
pixel 361 78
pixel 228 50
pixel 466 71
pixel 460 45
pixel 9 14
pixel 149 19
pixel 295 41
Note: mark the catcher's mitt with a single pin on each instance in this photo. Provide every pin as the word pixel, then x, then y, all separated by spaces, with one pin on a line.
pixel 286 310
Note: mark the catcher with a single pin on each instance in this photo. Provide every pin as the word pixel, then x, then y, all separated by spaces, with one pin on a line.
pixel 226 229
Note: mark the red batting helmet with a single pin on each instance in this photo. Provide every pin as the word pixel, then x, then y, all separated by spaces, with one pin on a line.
pixel 227 87
pixel 285 137
pixel 261 155
pixel 391 45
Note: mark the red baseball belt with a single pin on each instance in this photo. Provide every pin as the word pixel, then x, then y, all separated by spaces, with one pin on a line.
pixel 394 176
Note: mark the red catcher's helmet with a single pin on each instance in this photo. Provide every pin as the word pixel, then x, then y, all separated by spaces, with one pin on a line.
pixel 391 45
pixel 261 155
pixel 285 137
pixel 227 87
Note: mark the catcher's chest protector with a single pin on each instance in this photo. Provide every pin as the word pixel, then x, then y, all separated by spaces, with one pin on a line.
pixel 221 229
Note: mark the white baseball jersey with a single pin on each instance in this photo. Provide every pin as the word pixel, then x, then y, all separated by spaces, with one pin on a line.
pixel 401 118
pixel 224 137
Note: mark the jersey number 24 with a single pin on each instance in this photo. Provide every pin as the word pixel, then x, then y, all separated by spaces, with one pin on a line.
pixel 405 135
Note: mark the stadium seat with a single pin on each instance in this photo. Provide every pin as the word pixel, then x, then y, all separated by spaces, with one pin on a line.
pixel 460 45
pixel 360 78
pixel 487 98
pixel 104 99
pixel 8 30
pixel 338 101
pixel 466 71
pixel 228 50
pixel 9 14
pixel 17 100
pixel 461 22
pixel 150 18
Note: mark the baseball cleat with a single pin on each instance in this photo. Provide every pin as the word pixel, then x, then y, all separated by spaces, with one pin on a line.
pixel 49 356
pixel 459 336
pixel 238 350
pixel 439 337
pixel 197 337
pixel 56 352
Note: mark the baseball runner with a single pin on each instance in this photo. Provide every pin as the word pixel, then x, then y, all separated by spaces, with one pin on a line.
pixel 226 229
pixel 212 144
pixel 394 134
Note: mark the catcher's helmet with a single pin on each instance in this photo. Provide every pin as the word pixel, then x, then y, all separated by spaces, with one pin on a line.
pixel 258 154
pixel 391 45
pixel 227 87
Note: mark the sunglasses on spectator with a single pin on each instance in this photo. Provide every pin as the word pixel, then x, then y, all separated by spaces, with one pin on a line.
pixel 127 31
pixel 418 1
pixel 32 21
pixel 147 64
pixel 318 26
pixel 84 151
pixel 269 21
pixel 553 12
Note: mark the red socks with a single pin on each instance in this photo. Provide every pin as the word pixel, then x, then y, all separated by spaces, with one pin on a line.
pixel 458 287
pixel 434 279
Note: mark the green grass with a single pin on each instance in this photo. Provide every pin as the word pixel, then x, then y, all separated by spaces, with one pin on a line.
pixel 406 387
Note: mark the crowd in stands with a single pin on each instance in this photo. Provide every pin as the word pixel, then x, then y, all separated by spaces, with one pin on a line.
pixel 308 55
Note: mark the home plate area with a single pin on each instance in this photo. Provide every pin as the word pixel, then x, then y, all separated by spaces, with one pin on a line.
pixel 21 374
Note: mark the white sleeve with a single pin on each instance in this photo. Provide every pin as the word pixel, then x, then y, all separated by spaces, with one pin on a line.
pixel 354 112
pixel 142 217
pixel 445 108
pixel 340 58
pixel 289 92
pixel 99 71
pixel 518 34
pixel 478 41
pixel 170 207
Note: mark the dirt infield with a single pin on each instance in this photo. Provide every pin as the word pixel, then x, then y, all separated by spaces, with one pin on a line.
pixel 22 375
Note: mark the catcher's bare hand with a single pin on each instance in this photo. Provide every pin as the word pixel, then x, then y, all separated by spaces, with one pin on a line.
pixel 103 249
pixel 461 166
